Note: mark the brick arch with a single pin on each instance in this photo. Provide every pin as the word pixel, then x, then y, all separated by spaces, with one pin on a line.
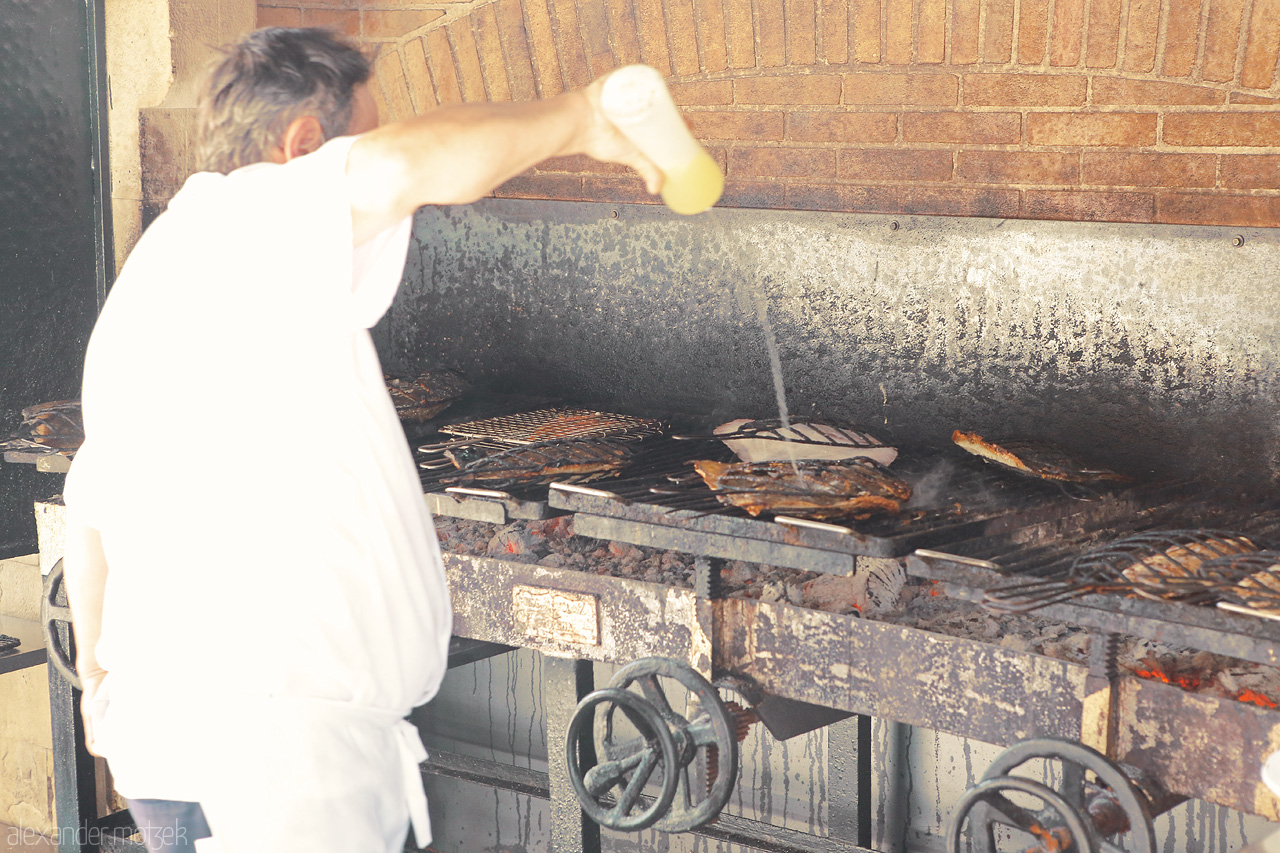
pixel 519 49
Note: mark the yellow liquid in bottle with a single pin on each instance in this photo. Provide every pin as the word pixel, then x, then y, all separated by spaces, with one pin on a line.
pixel 694 188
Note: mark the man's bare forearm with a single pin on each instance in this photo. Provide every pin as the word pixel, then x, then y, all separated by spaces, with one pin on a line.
pixel 460 153
pixel 85 571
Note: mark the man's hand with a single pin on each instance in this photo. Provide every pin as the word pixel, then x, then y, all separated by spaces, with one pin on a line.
pixel 605 142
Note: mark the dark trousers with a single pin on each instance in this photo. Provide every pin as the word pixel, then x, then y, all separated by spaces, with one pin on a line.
pixel 169 826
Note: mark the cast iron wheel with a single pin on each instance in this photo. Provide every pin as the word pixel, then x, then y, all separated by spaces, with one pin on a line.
pixel 1093 805
pixel 53 612
pixel 706 739
pixel 628 767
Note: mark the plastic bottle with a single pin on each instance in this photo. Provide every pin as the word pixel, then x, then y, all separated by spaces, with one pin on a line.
pixel 636 99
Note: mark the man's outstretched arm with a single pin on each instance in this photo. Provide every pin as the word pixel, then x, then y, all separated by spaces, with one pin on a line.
pixel 457 154
pixel 84 568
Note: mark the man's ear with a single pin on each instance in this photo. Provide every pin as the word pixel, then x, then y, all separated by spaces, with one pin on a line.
pixel 303 135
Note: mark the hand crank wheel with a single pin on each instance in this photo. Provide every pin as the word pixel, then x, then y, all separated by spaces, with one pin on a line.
pixel 628 767
pixel 54 612
pixel 1096 803
pixel 705 736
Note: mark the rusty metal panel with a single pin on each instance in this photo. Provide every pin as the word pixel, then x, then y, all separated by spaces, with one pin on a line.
pixel 1199 746
pixel 959 686
pixel 549 610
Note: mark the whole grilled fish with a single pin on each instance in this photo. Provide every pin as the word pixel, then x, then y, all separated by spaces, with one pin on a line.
pixel 808 489
pixel 577 461
pixel 1034 459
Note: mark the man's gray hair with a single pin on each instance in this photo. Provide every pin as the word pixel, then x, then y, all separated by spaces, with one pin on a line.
pixel 265 81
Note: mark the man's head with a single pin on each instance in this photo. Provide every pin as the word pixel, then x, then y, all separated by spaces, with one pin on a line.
pixel 279 92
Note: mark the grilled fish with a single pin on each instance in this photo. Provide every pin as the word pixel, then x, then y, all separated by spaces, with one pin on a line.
pixel 578 461
pixel 770 441
pixel 426 395
pixel 809 489
pixel 1035 459
pixel 56 425
pixel 1181 560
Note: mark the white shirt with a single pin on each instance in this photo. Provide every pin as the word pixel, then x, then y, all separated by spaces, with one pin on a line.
pixel 266 537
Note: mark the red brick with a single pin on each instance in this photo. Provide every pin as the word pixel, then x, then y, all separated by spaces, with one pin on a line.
pixel 796 89
pixel 330 4
pixel 273 16
pixel 1092 129
pixel 748 126
pixel 1104 34
pixel 709 94
pixel 1262 45
pixel 753 194
pixel 1018 167
pixel 772 33
pixel 574 64
pixel 380 103
pixel 541 39
pixel 580 164
pixel 1029 90
pixel 562 187
pixel 931 47
pixel 711 34
pixel 962 128
pixel 484 22
pixel 835 31
pixel 651 29
pixel 1251 171
pixel 1117 169
pixel 616 190
pixel 1215 209
pixel 997 40
pixel 899 32
pixel 899 165
pixel 623 33
pixel 740 33
pixel 802 32
pixel 1241 98
pixel 1068 32
pixel 842 127
pixel 866 30
pixel 1121 92
pixel 515 46
pixel 932 201
pixel 749 162
pixel 1033 31
pixel 1182 34
pixel 1087 206
pixel 443 70
pixel 1221 39
pixel 1260 130
pixel 418 76
pixel 1141 32
pixel 682 31
pixel 395 90
pixel 814 197
pixel 917 90
pixel 345 22
pixel 394 24
pixel 467 57
pixel 965 17
pixel 593 27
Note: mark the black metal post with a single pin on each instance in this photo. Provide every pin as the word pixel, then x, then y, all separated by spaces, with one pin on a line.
pixel 74 784
pixel 849 780
pixel 565 683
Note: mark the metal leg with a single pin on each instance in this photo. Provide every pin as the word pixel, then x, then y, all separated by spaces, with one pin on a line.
pixel 849 780
pixel 565 683
pixel 74 781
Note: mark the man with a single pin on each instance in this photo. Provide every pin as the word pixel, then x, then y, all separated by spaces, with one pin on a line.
pixel 257 587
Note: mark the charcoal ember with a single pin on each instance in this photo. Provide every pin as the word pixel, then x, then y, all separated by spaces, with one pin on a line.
pixel 835 593
pixel 552 529
pixel 516 543
pixel 739 574
pixel 624 552
pixel 554 561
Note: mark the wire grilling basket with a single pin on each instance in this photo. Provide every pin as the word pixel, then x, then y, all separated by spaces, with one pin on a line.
pixel 1167 565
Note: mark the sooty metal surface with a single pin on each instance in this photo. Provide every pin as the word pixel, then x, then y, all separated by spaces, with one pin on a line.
pixel 1144 348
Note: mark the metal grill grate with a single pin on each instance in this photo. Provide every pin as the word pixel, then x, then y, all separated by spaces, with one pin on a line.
pixel 552 425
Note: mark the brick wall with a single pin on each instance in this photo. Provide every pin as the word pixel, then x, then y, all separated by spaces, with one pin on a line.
pixel 1113 110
